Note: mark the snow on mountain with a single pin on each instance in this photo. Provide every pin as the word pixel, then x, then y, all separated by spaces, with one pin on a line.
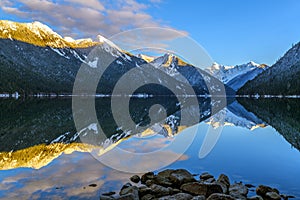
pixel 146 58
pixel 236 115
pixel 236 76
pixel 40 34
pixel 282 78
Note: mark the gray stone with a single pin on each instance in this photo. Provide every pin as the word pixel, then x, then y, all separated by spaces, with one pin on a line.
pixel 148 197
pixel 143 190
pixel 219 196
pixel 181 176
pixel 130 190
pixel 272 196
pixel 128 197
pixel 163 179
pixel 238 190
pixel 149 183
pixel 257 197
pixel 135 178
pixel 199 197
pixel 104 197
pixel 196 188
pixel 159 190
pixel 179 196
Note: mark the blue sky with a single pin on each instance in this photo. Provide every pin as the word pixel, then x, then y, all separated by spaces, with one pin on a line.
pixel 231 31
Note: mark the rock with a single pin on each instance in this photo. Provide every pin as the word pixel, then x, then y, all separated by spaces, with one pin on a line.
pixel 174 190
pixel 262 190
pixel 179 196
pixel 93 185
pixel 108 193
pixel 286 197
pixel 199 197
pixel 104 197
pixel 210 180
pixel 181 176
pixel 163 180
pixel 135 178
pixel 128 197
pixel 272 196
pixel 149 183
pixel 257 197
pixel 204 176
pixel 148 197
pixel 219 196
pixel 147 176
pixel 127 185
pixel 238 190
pixel 224 182
pixel 130 190
pixel 249 185
pixel 196 188
pixel 143 190
pixel 159 190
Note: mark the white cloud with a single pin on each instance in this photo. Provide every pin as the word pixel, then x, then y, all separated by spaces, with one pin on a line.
pixel 81 18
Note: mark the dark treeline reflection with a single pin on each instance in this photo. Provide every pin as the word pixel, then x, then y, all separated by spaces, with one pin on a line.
pixel 281 114
pixel 25 123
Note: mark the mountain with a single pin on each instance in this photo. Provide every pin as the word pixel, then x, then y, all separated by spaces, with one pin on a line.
pixel 176 68
pixel 236 115
pixel 35 59
pixel 283 78
pixel 283 114
pixel 236 76
pixel 40 35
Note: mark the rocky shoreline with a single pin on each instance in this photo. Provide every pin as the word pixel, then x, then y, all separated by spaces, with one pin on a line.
pixel 180 184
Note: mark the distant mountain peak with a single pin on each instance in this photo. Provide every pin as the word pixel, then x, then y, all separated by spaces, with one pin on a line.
pixel 39 34
pixel 236 76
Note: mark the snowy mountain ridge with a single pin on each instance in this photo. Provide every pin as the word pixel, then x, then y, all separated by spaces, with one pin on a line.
pixel 40 34
pixel 236 76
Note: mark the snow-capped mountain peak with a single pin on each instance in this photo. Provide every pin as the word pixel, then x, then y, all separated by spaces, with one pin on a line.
pixel 146 58
pixel 236 76
pixel 39 34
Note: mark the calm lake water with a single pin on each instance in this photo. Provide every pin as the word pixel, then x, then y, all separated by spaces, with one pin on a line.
pixel 44 156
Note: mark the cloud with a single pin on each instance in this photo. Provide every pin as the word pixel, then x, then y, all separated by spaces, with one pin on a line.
pixel 80 18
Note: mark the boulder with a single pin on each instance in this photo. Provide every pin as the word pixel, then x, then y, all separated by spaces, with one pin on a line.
pixel 196 188
pixel 147 176
pixel 257 197
pixel 133 190
pixel 159 190
pixel 181 176
pixel 135 178
pixel 262 190
pixel 220 196
pixel 272 196
pixel 179 196
pixel 238 190
pixel 199 197
pixel 128 197
pixel 143 190
pixel 148 197
pixel 224 182
pixel 204 176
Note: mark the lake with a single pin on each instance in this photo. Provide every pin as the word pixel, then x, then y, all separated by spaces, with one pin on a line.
pixel 56 148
